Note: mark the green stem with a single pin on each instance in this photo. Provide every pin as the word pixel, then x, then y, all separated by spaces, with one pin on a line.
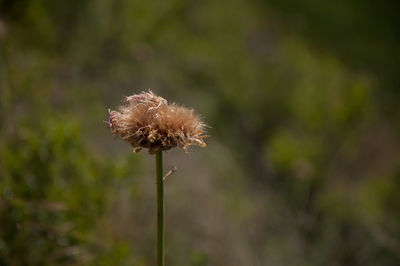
pixel 160 210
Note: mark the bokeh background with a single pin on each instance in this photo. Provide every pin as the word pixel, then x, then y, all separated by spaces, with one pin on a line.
pixel 302 166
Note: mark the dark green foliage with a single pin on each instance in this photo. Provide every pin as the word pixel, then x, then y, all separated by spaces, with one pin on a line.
pixel 53 194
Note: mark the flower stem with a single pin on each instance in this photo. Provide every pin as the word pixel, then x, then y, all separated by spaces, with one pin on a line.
pixel 160 210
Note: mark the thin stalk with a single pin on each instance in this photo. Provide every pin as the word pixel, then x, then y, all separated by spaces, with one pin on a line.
pixel 160 209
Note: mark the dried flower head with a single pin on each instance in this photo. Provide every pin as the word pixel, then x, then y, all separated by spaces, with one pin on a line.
pixel 148 121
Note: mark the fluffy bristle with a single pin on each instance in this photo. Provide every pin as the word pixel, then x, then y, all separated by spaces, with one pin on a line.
pixel 148 121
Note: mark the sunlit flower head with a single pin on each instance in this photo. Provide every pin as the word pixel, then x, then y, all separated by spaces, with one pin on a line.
pixel 148 121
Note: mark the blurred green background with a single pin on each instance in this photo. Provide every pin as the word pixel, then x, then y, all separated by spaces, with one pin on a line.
pixel 303 100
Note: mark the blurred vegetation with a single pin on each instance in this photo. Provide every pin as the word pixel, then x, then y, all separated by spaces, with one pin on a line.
pixel 302 98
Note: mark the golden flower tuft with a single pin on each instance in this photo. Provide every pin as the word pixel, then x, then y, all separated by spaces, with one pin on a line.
pixel 148 121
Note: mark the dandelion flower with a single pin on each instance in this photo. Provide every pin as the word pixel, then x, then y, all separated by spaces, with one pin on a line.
pixel 148 121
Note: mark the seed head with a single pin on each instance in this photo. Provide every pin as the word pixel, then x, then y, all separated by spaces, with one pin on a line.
pixel 148 121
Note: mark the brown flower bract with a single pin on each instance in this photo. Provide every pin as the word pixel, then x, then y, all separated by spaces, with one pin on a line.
pixel 148 121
